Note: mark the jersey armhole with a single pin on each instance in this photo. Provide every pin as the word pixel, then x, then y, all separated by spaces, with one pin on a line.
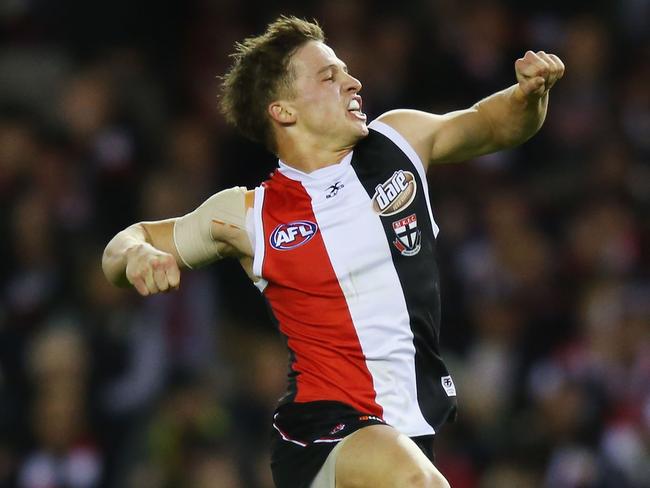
pixel 399 140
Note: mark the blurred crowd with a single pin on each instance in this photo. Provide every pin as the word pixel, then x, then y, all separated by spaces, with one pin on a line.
pixel 108 116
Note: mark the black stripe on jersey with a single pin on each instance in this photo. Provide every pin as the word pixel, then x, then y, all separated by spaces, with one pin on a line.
pixel 376 158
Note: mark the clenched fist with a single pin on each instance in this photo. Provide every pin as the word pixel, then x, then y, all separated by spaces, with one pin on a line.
pixel 151 271
pixel 537 73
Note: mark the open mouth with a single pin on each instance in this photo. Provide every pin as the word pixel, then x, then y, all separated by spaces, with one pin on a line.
pixel 354 108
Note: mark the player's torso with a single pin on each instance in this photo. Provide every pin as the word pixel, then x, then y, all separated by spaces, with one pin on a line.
pixel 347 265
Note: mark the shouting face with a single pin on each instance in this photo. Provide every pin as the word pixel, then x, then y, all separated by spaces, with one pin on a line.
pixel 325 101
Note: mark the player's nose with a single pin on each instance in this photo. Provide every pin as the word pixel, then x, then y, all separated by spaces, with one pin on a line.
pixel 352 84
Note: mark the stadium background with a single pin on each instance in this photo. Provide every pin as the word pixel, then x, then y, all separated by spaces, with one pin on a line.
pixel 108 116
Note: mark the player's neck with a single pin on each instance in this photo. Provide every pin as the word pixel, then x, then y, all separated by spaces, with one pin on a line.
pixel 309 155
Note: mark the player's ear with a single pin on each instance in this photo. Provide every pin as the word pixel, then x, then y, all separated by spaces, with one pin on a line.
pixel 282 113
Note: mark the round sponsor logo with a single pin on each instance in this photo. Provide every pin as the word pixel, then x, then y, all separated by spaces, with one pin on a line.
pixel 292 235
pixel 395 194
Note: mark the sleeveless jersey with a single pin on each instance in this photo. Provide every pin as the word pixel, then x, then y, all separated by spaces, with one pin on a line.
pixel 345 257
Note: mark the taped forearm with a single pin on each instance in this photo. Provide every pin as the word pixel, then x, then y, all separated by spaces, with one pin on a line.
pixel 193 232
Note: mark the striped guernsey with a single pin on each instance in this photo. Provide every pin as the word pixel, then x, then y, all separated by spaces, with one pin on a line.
pixel 345 258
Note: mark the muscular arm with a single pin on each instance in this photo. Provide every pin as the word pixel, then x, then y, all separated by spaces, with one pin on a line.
pixel 149 255
pixel 144 239
pixel 504 119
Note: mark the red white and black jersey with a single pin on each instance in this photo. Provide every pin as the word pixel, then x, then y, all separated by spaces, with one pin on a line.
pixel 345 257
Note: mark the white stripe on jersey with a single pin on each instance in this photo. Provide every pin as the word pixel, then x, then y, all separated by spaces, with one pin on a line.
pixel 403 144
pixel 361 257
pixel 258 257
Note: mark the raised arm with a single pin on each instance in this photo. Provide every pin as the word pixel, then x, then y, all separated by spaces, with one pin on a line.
pixel 150 255
pixel 504 119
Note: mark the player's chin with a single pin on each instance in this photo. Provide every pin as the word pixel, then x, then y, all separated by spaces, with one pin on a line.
pixel 363 129
pixel 359 131
pixel 360 126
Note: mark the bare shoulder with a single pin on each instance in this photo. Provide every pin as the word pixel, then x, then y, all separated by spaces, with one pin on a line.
pixel 408 119
pixel 417 127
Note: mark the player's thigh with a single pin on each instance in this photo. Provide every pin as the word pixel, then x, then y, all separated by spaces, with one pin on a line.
pixel 380 457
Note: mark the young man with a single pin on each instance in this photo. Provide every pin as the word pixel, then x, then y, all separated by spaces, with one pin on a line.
pixel 341 242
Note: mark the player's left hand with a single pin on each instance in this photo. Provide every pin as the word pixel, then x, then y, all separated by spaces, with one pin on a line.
pixel 537 73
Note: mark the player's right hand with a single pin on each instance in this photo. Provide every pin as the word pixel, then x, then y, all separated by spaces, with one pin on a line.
pixel 151 271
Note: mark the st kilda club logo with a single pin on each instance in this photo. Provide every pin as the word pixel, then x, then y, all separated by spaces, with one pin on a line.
pixel 292 235
pixel 408 237
pixel 395 194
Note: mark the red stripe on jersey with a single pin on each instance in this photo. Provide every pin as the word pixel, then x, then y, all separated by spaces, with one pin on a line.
pixel 307 300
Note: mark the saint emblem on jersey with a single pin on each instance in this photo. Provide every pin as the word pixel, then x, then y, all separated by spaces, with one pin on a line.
pixel 395 194
pixel 409 237
pixel 292 235
pixel 448 385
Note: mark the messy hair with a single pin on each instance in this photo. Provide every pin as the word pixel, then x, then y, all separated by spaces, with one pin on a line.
pixel 261 73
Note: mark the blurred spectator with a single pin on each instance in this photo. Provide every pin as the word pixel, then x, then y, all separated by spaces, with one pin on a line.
pixel 64 451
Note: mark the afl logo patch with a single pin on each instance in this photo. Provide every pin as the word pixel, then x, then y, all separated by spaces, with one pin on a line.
pixel 292 235
pixel 395 194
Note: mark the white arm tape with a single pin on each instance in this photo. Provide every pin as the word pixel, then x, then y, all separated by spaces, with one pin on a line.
pixel 193 232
